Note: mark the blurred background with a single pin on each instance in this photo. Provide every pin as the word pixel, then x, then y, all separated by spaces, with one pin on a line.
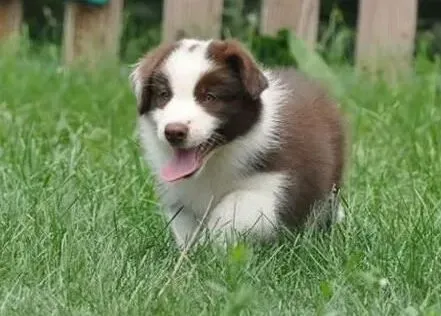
pixel 241 19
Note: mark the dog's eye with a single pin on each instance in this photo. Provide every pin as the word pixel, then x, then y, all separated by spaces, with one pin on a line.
pixel 209 97
pixel 164 94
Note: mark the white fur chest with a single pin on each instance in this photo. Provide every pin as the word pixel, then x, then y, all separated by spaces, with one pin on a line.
pixel 216 180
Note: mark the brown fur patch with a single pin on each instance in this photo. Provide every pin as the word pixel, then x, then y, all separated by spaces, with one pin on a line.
pixel 233 54
pixel 147 67
pixel 232 104
pixel 159 90
pixel 312 149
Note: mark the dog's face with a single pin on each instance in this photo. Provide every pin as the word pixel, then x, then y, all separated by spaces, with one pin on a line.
pixel 199 95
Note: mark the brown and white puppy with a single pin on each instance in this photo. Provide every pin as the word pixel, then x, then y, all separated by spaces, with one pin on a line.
pixel 262 146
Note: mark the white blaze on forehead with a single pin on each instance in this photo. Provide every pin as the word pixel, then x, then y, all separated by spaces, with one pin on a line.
pixel 184 68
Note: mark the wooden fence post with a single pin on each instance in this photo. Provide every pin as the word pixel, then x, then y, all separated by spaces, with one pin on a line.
pixel 92 32
pixel 197 18
pixel 386 34
pixel 11 12
pixel 299 16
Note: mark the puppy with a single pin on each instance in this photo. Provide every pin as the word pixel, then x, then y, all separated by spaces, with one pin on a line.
pixel 241 148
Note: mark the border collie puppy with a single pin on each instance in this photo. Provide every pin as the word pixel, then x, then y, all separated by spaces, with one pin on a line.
pixel 240 148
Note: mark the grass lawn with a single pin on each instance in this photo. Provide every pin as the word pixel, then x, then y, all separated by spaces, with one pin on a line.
pixel 80 231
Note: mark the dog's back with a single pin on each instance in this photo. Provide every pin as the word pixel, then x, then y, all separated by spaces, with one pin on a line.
pixel 313 145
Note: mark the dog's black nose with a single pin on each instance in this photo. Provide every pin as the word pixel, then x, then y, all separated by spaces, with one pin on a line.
pixel 176 133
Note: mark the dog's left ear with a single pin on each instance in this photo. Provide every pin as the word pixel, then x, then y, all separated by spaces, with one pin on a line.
pixel 240 60
pixel 143 71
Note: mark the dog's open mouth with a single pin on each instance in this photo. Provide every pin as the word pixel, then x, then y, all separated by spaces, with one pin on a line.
pixel 187 161
pixel 184 163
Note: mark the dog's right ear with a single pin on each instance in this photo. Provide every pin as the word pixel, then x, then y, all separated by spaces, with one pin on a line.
pixel 141 75
pixel 236 56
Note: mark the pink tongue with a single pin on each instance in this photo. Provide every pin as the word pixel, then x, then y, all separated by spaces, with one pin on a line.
pixel 184 163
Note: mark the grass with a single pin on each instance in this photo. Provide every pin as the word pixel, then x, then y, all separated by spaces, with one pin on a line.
pixel 80 231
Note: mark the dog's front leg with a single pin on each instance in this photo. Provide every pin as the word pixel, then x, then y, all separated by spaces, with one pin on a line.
pixel 183 224
pixel 244 212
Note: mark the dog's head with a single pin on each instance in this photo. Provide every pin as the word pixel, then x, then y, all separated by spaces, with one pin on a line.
pixel 199 95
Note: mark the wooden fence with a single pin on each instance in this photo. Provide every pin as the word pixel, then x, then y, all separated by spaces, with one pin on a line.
pixel 385 31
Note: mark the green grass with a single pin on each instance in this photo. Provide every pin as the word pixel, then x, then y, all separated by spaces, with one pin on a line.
pixel 80 231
